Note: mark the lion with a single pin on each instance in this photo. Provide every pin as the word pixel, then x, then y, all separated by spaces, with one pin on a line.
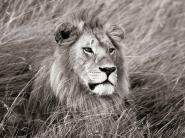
pixel 86 72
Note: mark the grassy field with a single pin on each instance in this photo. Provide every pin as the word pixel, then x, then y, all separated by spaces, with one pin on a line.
pixel 155 54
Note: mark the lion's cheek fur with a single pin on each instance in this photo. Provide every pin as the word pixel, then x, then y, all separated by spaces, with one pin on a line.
pixel 113 78
pixel 96 77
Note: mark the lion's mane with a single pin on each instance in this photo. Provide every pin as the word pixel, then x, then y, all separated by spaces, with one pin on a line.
pixel 57 87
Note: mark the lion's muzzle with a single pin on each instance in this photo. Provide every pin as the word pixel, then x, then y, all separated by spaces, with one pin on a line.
pixel 103 81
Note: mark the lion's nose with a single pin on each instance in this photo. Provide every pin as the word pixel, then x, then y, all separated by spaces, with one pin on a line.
pixel 108 70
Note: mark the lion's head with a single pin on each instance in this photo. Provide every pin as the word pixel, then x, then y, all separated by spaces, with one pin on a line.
pixel 93 54
pixel 87 70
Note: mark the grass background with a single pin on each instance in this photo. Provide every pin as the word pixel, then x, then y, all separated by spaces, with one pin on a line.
pixel 155 52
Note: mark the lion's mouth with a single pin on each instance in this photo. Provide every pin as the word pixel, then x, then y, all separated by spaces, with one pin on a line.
pixel 93 85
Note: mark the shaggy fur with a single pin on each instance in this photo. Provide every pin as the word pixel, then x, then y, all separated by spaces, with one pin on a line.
pixel 56 82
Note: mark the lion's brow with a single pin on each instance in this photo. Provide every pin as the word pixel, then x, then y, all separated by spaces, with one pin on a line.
pixel 102 43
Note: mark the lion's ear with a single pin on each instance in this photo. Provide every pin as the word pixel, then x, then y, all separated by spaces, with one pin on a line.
pixel 117 33
pixel 66 34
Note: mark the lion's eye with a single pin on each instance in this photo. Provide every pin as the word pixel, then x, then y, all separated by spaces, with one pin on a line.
pixel 87 50
pixel 111 50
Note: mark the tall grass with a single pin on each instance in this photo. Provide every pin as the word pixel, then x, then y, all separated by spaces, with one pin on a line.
pixel 155 49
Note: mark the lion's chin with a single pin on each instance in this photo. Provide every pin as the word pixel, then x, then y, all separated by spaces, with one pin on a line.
pixel 104 89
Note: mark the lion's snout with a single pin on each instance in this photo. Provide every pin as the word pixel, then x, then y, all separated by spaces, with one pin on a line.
pixel 103 80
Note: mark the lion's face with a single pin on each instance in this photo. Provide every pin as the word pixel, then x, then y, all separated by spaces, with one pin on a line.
pixel 93 57
pixel 94 62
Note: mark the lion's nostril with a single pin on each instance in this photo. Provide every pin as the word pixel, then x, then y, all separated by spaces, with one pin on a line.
pixel 108 70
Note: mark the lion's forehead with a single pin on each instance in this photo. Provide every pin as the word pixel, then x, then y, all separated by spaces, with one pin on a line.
pixel 96 40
